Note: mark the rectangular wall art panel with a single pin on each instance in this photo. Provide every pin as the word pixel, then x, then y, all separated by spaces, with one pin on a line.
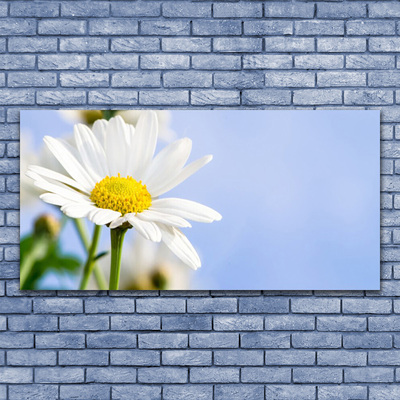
pixel 203 200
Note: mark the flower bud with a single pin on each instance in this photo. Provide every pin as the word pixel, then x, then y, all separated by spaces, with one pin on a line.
pixel 47 225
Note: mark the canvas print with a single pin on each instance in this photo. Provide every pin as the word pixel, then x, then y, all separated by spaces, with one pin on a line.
pixel 199 200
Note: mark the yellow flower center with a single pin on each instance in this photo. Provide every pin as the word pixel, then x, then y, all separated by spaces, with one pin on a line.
pixel 125 195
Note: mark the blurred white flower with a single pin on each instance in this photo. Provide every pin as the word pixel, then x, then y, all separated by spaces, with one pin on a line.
pixel 165 133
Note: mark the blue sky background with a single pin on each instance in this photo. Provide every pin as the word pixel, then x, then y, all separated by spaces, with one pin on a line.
pixel 298 192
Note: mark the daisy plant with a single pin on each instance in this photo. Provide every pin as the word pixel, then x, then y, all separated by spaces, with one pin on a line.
pixel 113 178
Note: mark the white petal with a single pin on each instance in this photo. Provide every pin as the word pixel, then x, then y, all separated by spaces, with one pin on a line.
pixel 52 198
pixel 116 146
pixel 179 244
pixel 183 175
pixel 186 209
pixel 91 151
pixel 168 162
pixel 48 173
pixel 77 210
pixel 71 164
pixel 117 222
pixel 99 129
pixel 101 216
pixel 149 230
pixel 143 144
pixel 168 219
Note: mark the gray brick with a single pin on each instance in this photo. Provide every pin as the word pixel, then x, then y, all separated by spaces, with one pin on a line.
pixel 19 26
pixel 386 323
pixel 135 357
pixel 15 306
pixel 64 97
pixel 85 9
pixel 109 96
pixel 61 61
pixel 288 44
pixel 319 340
pixel 164 61
pixel 238 392
pixel 182 9
pixel 238 357
pixel 214 97
pixel 61 27
pixel 84 79
pixel 11 254
pixel 335 392
pixel 111 340
pixel 263 305
pixel 34 79
pixel 186 79
pixel 57 306
pixel 83 357
pixel 111 26
pixel 110 375
pixel 317 27
pixel 266 375
pixel 216 62
pixel 366 306
pixel 17 61
pixel 266 96
pixel 193 45
pixel 341 11
pixel 288 10
pixel 16 375
pixel 369 61
pixel 268 27
pixel 89 45
pixel 179 392
pixel 341 45
pixel 165 27
pixel 384 10
pixel 383 357
pixel 367 374
pixel 214 375
pixel 317 375
pixel 242 323
pixel 290 357
pixel 237 45
pixel 84 323
pixel 163 340
pixel 60 341
pixel 342 78
pixel 136 392
pixel 217 27
pixel 319 61
pixel 382 45
pixel 135 322
pixel 109 305
pixel 155 98
pixel 186 357
pixel 16 340
pixel 32 322
pixel 238 10
pixel 186 323
pixel 31 357
pixel 34 9
pixel 289 323
pixel 214 340
pixel 365 27
pixel 60 375
pixel 341 323
pixel 113 61
pixel 290 392
pixel 129 9
pixel 136 79
pixel 32 45
pixel 135 44
pixel 87 392
pixel 316 97
pixel 162 375
pixel 33 392
pixel 342 358
pixel 212 305
pixel 367 341
pixel 368 97
pixel 289 79
pixel 261 340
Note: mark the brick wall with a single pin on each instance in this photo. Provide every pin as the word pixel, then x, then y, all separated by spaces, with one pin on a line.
pixel 200 345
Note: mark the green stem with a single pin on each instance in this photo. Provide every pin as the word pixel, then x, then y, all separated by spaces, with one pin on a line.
pixel 98 273
pixel 37 252
pixel 108 114
pixel 117 239
pixel 88 269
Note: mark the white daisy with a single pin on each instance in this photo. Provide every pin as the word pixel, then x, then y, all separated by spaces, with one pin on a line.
pixel 114 180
